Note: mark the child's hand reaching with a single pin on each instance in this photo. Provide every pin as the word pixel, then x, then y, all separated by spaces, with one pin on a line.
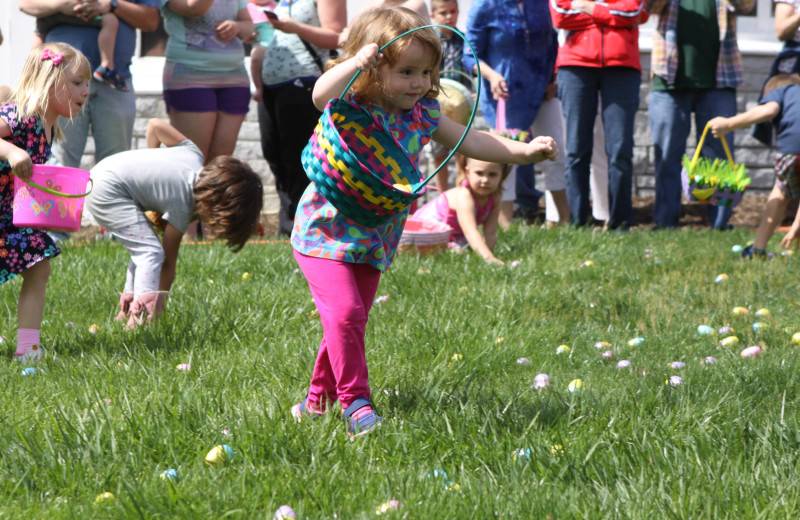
pixel 125 301
pixel 21 163
pixel 368 57
pixel 790 237
pixel 541 148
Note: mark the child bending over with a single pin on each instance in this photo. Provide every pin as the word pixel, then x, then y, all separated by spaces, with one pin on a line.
pixel 226 195
pixel 781 105
pixel 475 201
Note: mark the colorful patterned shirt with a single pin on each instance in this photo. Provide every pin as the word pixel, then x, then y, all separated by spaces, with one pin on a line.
pixel 321 231
pixel 664 61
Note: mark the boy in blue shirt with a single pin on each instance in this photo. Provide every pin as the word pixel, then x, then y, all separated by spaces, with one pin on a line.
pixel 781 105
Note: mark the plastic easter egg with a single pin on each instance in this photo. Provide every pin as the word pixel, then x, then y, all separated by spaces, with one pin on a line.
pixel 607 354
pixel 721 278
pixel 516 263
pixel 284 513
pixel 562 349
pixel 600 345
pixel 740 311
pixel 28 371
pixel 184 367
pixel 796 338
pixel 452 486
pixel 709 360
pixel 556 449
pixel 587 263
pixel 635 342
pixel 726 330
pixel 438 473
pixel 94 328
pixel 576 385
pixel 541 381
pixel 751 352
pixel 523 361
pixel 677 364
pixel 104 499
pixel 787 252
pixel 763 313
pixel 704 330
pixel 675 381
pixel 623 363
pixel 522 454
pixel 730 341
pixel 389 506
pixel 220 455
pixel 170 474
pixel 760 326
pixel 737 249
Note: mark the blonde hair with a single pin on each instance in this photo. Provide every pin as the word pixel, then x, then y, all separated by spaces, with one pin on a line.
pixel 41 77
pixel 461 169
pixel 381 26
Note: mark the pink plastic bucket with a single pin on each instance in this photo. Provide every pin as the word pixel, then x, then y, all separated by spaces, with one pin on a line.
pixel 52 199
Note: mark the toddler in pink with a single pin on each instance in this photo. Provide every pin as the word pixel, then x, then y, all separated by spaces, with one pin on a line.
pixel 474 202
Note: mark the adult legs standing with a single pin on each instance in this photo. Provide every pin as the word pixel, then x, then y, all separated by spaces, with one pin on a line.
pixel 578 88
pixel 619 91
pixel 287 118
pixel 550 121
pixel 670 121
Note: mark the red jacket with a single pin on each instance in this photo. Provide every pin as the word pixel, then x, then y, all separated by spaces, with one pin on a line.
pixel 607 38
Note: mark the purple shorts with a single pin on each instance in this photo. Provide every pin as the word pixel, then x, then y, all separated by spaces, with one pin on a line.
pixel 231 100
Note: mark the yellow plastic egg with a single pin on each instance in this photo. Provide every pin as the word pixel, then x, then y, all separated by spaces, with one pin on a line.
pixel 740 311
pixel 730 341
pixel 575 385
pixel 104 499
pixel 796 338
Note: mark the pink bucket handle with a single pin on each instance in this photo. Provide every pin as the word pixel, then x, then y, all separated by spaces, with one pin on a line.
pixel 500 125
pixel 57 193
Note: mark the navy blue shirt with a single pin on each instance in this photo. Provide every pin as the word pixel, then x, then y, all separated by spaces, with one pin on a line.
pixel 85 40
pixel 521 46
pixel 788 119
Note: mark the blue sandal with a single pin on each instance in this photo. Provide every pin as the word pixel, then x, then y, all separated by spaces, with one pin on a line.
pixel 364 423
pixel 301 410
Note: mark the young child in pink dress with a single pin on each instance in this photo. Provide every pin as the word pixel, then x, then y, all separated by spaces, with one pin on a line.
pixel 54 83
pixel 474 202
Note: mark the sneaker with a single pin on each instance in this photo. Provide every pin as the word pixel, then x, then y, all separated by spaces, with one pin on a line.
pixel 360 421
pixel 111 77
pixel 33 355
pixel 302 409
pixel 751 252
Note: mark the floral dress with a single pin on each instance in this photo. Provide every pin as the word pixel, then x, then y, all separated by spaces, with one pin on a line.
pixel 21 248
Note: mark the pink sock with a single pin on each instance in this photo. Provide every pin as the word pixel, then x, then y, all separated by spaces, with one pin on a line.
pixel 27 340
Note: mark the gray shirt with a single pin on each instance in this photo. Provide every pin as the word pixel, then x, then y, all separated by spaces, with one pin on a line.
pixel 153 179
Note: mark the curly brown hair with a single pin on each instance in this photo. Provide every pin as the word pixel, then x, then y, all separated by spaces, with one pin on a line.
pixel 228 198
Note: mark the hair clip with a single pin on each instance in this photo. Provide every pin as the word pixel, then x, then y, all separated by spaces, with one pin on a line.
pixel 47 54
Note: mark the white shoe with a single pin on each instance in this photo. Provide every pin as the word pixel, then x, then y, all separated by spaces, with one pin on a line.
pixel 34 354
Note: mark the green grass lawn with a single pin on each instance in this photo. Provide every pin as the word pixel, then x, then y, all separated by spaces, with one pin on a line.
pixel 110 412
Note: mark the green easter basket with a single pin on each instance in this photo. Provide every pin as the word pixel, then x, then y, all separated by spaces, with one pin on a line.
pixel 359 166
pixel 712 180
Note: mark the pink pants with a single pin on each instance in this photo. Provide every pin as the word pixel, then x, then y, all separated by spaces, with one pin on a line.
pixel 344 293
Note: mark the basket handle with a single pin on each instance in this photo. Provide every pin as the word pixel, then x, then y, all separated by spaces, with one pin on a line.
pixel 54 192
pixel 700 147
pixel 474 107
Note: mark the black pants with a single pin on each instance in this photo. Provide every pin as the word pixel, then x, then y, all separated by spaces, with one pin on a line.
pixel 287 118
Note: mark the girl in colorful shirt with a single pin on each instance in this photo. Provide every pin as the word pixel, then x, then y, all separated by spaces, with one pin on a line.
pixel 54 82
pixel 343 260
pixel 474 202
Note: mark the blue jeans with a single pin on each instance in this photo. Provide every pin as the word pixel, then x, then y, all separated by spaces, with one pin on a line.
pixel 110 113
pixel 578 88
pixel 670 121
